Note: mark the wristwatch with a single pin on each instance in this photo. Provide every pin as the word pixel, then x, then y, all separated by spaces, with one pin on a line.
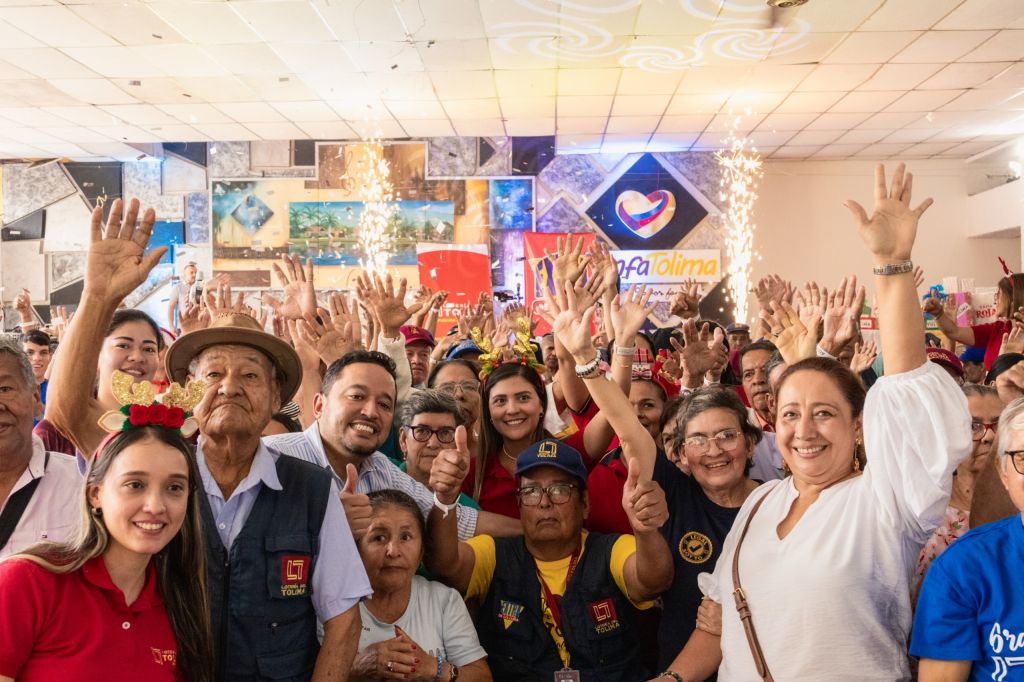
pixel 445 508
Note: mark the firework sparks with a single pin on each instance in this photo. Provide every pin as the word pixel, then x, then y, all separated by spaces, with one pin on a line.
pixel 373 178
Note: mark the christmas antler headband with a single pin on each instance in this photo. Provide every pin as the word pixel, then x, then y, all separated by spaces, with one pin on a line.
pixel 140 406
pixel 523 350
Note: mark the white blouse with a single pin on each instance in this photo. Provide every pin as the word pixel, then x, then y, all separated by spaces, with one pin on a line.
pixel 831 601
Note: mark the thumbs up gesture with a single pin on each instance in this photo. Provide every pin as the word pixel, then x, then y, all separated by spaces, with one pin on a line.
pixel 643 501
pixel 450 468
pixel 357 506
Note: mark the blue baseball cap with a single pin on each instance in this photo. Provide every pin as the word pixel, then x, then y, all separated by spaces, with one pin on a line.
pixel 462 348
pixel 973 354
pixel 552 453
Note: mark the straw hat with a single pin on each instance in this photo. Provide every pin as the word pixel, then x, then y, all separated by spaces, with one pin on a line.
pixel 236 329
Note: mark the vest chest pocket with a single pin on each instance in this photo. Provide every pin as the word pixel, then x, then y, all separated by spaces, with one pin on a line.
pixel 289 566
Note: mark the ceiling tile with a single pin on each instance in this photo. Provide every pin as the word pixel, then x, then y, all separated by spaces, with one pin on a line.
pixel 967 149
pixel 583 105
pixel 463 84
pixel 321 130
pixel 809 48
pixel 897 16
pixel 685 124
pixel 56 26
pixel 526 126
pixel 709 103
pixel 31 116
pixel 665 18
pixel 981 14
pixel 455 55
pixel 177 132
pixel 773 77
pixel 808 102
pixel 577 144
pixel 641 82
pixel 670 142
pixel 909 135
pixel 46 62
pixel 183 61
pixel 846 16
pixel 838 151
pixel 139 114
pixel 866 101
pixel 1005 46
pixel 92 90
pixel 115 62
pixel 862 137
pixel 1013 77
pixel 765 139
pixel 127 133
pixel 283 21
pixel 416 109
pixel 942 46
pixel 76 134
pixel 581 124
pixel 154 90
pixel 351 21
pixel 924 100
pixel 332 86
pixel 640 105
pixel 402 86
pixel 268 87
pixel 359 108
pixel 889 121
pixel 900 76
pixel 979 100
pixel 9 71
pixel 836 121
pixel 247 59
pixel 276 130
pixel 755 102
pixel 525 83
pixel 226 131
pixel 11 37
pixel 469 127
pixel 212 23
pixel 442 19
pixel 428 127
pixel 250 112
pixel 384 57
pixel 623 143
pixel 14 150
pixel 516 53
pixel 786 122
pixel 128 24
pixel 84 116
pixel 299 112
pixel 195 113
pixel 28 135
pixel 790 152
pixel 929 148
pixel 721 123
pixel 868 47
pixel 471 109
pixel 815 137
pixel 588 81
pixel 963 76
pixel 716 79
pixel 634 125
pixel 882 151
pixel 837 77
pixel 33 92
pixel 527 107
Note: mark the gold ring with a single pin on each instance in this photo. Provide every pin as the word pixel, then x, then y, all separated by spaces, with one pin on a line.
pixel 390 666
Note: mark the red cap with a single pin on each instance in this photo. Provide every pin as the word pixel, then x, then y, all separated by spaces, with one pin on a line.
pixel 947 358
pixel 414 334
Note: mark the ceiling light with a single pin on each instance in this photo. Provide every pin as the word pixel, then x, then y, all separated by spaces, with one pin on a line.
pixel 785 4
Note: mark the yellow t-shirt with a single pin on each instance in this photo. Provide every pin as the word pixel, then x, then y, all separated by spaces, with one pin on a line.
pixel 554 574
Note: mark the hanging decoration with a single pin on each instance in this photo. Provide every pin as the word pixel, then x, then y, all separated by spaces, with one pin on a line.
pixel 740 164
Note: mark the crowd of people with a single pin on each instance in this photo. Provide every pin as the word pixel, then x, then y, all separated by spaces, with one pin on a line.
pixel 343 491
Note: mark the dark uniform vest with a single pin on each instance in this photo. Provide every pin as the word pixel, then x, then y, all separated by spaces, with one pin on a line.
pixel 596 621
pixel 264 625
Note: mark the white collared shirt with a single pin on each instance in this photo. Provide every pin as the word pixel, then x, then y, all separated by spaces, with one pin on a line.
pixel 54 511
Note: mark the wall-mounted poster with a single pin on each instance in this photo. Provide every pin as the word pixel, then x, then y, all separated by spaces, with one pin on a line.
pixel 463 270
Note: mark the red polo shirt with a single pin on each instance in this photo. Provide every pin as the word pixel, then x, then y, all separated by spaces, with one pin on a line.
pixel 75 626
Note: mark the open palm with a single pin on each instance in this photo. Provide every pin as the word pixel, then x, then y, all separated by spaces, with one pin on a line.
pixel 117 262
pixel 890 231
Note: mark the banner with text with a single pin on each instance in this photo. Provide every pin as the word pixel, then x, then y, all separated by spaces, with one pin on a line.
pixel 463 270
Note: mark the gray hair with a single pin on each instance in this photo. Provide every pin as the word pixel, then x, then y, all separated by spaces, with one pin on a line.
pixel 774 361
pixel 13 347
pixel 430 401
pixel 1012 419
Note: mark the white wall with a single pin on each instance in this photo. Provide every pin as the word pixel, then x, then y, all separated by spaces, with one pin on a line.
pixel 804 231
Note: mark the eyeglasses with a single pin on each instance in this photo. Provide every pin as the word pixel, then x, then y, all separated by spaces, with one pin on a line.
pixel 726 441
pixel 445 434
pixel 453 387
pixel 978 429
pixel 1017 457
pixel 558 493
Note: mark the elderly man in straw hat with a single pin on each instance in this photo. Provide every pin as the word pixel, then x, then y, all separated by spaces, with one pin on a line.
pixel 280 552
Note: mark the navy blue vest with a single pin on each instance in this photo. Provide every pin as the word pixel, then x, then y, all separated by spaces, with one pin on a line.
pixel 264 625
pixel 596 618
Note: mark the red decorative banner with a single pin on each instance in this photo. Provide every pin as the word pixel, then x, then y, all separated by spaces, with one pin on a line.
pixel 463 270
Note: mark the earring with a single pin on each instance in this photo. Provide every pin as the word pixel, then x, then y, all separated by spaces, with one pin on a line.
pixel 97 512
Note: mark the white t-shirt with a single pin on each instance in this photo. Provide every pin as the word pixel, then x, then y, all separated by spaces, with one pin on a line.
pixel 831 601
pixel 54 511
pixel 436 619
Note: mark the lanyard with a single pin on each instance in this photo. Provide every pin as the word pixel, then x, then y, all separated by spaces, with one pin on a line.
pixel 555 603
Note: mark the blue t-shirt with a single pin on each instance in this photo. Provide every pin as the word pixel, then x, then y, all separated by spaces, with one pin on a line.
pixel 971 606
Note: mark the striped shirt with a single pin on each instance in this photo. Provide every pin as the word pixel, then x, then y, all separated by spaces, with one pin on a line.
pixel 376 472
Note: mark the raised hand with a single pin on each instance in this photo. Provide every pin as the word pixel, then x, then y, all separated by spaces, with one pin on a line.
pixel 357 506
pixel 864 355
pixel 297 285
pixel 23 306
pixel 603 264
pixel 117 262
pixel 811 302
pixel 388 304
pixel 933 304
pixel 331 337
pixel 918 276
pixel 195 316
pixel 792 337
pixel 221 303
pixel 643 501
pixel 568 262
pixel 842 322
pixel 890 231
pixel 629 311
pixel 571 325
pixel 450 467
pixel 703 351
pixel 773 288
pixel 686 304
pixel 1013 341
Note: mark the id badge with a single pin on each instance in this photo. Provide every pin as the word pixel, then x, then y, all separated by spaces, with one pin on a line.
pixel 567 675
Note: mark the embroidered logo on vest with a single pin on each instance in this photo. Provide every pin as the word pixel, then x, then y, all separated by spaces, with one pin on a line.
pixel 510 613
pixel 696 548
pixel 294 574
pixel 603 615
pixel 548 449
pixel 162 656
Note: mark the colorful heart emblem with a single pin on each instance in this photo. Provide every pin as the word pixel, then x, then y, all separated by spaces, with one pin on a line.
pixel 645 215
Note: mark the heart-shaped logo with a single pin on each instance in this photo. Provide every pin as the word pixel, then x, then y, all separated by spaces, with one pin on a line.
pixel 645 215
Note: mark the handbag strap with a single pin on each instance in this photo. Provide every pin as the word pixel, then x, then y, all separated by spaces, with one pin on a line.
pixel 16 504
pixel 741 602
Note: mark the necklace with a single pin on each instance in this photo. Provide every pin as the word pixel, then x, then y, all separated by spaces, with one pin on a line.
pixel 504 453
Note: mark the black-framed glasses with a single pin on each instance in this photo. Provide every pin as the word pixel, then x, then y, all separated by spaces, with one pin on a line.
pixel 978 429
pixel 445 434
pixel 1017 457
pixel 726 441
pixel 558 493
pixel 452 387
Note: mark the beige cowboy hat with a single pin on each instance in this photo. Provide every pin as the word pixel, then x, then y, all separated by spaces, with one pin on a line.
pixel 237 329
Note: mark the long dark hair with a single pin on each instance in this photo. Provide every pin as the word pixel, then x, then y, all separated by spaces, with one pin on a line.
pixel 132 315
pixel 180 566
pixel 1012 289
pixel 490 440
